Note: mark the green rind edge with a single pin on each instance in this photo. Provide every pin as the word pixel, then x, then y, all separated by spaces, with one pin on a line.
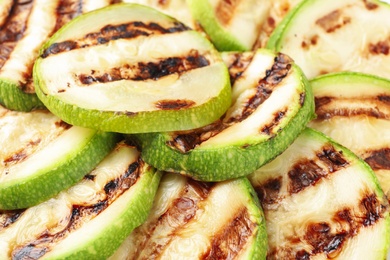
pixel 350 77
pixel 228 162
pixel 223 40
pixel 13 98
pixel 112 235
pixel 37 188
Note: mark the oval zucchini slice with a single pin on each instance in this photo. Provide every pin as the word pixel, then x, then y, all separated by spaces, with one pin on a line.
pixel 272 103
pixel 128 68
pixel 24 27
pixel 91 219
pixel 42 155
pixel 321 201
pixel 332 36
pixel 195 220
pixel 354 110
pixel 231 25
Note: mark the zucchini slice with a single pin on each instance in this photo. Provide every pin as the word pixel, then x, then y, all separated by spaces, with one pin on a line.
pixel 231 25
pixel 195 220
pixel 42 155
pixel 128 68
pixel 24 27
pixel 322 202
pixel 272 103
pixel 354 110
pixel 91 219
pixel 331 36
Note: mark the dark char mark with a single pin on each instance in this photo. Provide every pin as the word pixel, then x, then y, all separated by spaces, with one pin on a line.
pixel 66 11
pixel 379 159
pixel 113 32
pixel 239 65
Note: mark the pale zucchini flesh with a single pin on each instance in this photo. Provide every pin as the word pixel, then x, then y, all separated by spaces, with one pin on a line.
pixel 332 36
pixel 90 219
pixel 42 155
pixel 271 103
pixel 322 201
pixel 25 26
pixel 354 110
pixel 191 220
pixel 135 70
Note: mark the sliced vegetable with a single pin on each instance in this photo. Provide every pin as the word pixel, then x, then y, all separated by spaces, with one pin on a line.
pixel 129 68
pixel 195 220
pixel 24 27
pixel 332 36
pixel 272 103
pixel 354 109
pixel 42 155
pixel 321 201
pixel 231 25
pixel 91 219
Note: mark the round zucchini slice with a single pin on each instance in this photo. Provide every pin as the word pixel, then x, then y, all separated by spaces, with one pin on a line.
pixel 91 219
pixel 42 155
pixel 272 103
pixel 322 202
pixel 231 25
pixel 332 36
pixel 196 220
pixel 128 68
pixel 25 26
pixel 354 110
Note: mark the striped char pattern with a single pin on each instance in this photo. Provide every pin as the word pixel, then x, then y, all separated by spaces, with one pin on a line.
pixel 17 26
pixel 225 10
pixel 373 107
pixel 226 243
pixel 81 214
pixel 237 63
pixel 324 237
pixel 188 140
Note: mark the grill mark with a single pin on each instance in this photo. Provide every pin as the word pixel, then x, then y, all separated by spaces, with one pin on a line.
pixel 380 47
pixel 333 21
pixel 177 104
pixel 146 70
pixel 66 11
pixel 7 218
pixel 80 215
pixel 13 29
pixel 268 192
pixel 113 32
pixel 306 173
pixel 275 75
pixel 328 107
pixel 306 44
pixel 225 10
pixel 239 64
pixel 369 5
pixel 229 241
pixel 62 124
pixel 22 154
pixel 379 159
pixel 185 141
pixel 277 117
pixel 181 211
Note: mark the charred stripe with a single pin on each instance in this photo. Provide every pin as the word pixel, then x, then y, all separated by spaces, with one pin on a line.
pixel 113 32
pixel 225 10
pixel 379 159
pixel 239 64
pixel 66 11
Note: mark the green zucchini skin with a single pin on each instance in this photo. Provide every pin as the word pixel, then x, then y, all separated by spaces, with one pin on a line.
pixel 227 161
pixel 317 182
pixel 46 183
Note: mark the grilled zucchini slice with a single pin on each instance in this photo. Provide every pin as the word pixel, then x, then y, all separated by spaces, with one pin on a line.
pixel 42 155
pixel 91 219
pixel 332 36
pixel 354 110
pixel 128 68
pixel 24 27
pixel 231 25
pixel 272 102
pixel 195 220
pixel 321 201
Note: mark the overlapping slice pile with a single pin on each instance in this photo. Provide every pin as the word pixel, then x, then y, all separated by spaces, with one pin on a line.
pixel 322 201
pixel 42 155
pixel 272 103
pixel 25 26
pixel 191 220
pixel 89 220
pixel 131 69
pixel 354 110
